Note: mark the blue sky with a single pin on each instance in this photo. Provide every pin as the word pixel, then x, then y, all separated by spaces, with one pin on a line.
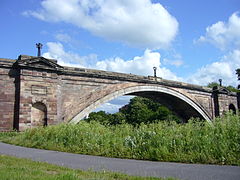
pixel 191 41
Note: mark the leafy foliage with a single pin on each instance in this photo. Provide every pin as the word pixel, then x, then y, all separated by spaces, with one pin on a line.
pixel 194 142
pixel 230 88
pixel 212 84
pixel 238 73
pixel 233 89
pixel 139 110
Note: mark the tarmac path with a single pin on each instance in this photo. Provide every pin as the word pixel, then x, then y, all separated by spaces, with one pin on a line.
pixel 127 166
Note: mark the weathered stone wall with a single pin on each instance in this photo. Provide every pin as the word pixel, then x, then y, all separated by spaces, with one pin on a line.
pixel 202 98
pixel 7 95
pixel 37 86
pixel 35 90
pixel 77 93
pixel 224 101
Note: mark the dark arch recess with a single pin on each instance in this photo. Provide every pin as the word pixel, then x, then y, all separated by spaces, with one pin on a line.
pixel 180 107
pixel 232 108
pixel 42 108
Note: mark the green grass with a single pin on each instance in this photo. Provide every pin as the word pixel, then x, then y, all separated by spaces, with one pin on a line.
pixel 12 168
pixel 194 142
pixel 4 135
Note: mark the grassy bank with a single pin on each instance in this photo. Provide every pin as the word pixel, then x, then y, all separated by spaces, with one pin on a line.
pixel 194 142
pixel 12 168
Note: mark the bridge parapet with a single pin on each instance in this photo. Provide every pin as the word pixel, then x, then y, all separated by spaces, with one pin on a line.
pixel 131 77
pixel 65 70
pixel 105 74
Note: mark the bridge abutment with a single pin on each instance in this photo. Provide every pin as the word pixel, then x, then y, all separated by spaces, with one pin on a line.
pixel 223 100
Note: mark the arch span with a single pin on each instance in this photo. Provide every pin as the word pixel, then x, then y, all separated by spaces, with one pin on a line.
pixel 141 89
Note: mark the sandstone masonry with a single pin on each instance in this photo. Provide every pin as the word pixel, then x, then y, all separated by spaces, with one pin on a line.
pixel 35 91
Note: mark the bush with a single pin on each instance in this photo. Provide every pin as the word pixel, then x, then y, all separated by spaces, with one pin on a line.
pixel 139 110
pixel 195 142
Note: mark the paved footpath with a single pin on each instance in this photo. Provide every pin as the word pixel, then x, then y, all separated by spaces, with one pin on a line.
pixel 131 167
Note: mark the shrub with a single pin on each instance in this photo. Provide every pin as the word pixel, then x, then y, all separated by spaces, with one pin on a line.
pixel 195 141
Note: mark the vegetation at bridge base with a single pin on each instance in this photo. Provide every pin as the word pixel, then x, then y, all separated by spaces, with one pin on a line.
pixel 12 168
pixel 139 110
pixel 192 142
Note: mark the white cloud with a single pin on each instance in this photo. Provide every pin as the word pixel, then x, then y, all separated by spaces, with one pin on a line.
pixel 108 107
pixel 223 69
pixel 114 105
pixel 56 51
pixel 63 37
pixel 140 65
pixel 175 61
pixel 135 22
pixel 67 40
pixel 224 35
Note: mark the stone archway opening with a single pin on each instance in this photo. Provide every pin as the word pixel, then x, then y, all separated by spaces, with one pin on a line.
pixel 181 108
pixel 232 108
pixel 38 114
pixel 174 100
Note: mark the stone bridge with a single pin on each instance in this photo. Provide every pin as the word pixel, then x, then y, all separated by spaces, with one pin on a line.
pixel 36 91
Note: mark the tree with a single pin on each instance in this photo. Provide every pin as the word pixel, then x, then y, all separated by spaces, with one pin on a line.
pixel 139 110
pixel 144 110
pixel 238 74
pixel 138 113
pixel 212 84
pixel 118 118
pixel 230 88
pixel 233 89
pixel 100 116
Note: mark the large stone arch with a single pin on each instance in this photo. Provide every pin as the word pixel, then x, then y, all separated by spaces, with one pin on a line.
pixel 141 89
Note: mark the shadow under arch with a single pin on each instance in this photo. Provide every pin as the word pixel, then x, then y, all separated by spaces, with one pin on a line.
pixel 145 91
pixel 232 108
pixel 39 114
